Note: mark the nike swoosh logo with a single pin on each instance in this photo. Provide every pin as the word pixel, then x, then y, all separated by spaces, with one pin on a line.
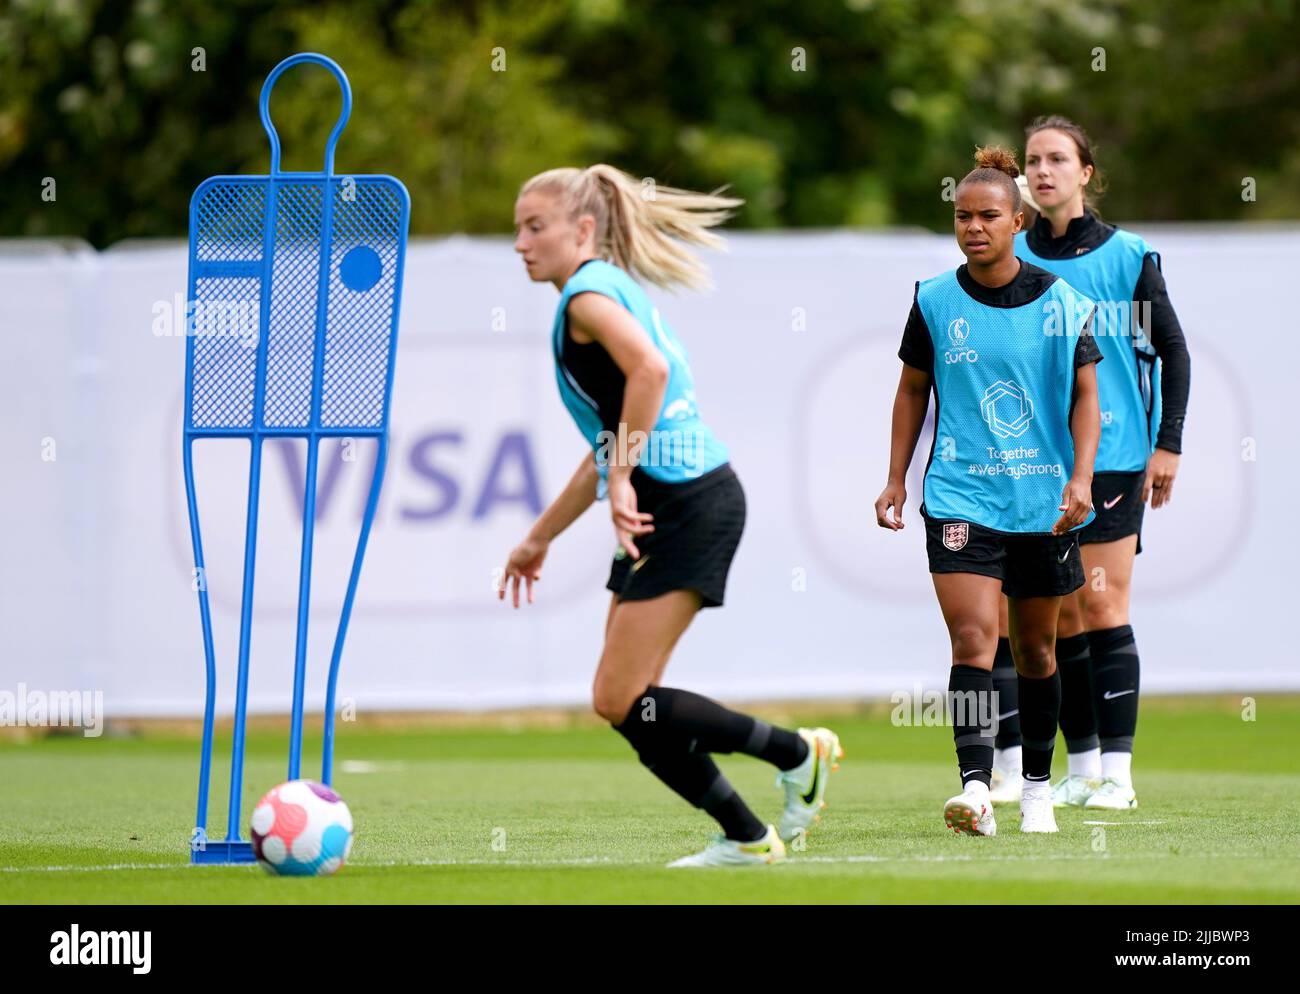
pixel 1065 555
pixel 1112 502
pixel 639 563
pixel 811 796
pixel 1109 696
pixel 1009 714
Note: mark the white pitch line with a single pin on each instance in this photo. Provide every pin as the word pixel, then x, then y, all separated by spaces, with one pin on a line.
pixel 453 861
pixel 369 766
pixel 607 861
pixel 1123 822
pixel 91 869
pixel 796 859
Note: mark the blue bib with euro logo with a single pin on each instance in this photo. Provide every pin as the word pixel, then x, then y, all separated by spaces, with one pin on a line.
pixel 680 447
pixel 1128 381
pixel 1004 381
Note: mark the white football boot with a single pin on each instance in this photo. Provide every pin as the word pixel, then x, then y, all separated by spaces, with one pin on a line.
pixel 805 785
pixel 1036 813
pixel 1073 790
pixel 1112 796
pixel 1004 788
pixel 727 852
pixel 971 811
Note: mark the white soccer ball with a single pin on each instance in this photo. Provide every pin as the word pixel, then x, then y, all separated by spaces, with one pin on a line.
pixel 302 829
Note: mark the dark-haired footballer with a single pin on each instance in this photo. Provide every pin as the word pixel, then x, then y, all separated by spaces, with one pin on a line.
pixel 1142 389
pixel 1005 348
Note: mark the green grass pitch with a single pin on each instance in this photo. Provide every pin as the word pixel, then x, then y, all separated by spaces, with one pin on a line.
pixel 530 813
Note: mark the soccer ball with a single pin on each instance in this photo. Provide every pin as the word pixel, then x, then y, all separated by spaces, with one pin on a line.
pixel 301 829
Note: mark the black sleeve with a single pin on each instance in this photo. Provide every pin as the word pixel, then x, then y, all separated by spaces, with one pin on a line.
pixel 1085 350
pixel 1167 339
pixel 918 347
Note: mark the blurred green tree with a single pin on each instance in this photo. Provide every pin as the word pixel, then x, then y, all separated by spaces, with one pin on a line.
pixel 817 112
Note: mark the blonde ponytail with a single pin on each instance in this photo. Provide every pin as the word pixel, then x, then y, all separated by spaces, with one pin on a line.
pixel 646 235
pixel 1026 195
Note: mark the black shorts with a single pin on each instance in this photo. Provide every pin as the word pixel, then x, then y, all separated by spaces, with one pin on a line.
pixel 697 529
pixel 1117 499
pixel 1034 565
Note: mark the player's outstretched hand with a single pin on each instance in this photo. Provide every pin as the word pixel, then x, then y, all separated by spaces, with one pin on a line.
pixel 524 563
pixel 1076 502
pixel 894 495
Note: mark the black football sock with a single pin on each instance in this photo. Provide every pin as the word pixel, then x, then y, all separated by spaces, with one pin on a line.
pixel 1115 672
pixel 1078 715
pixel 1004 682
pixel 730 811
pixel 694 776
pixel 1040 710
pixel 705 725
pixel 973 718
